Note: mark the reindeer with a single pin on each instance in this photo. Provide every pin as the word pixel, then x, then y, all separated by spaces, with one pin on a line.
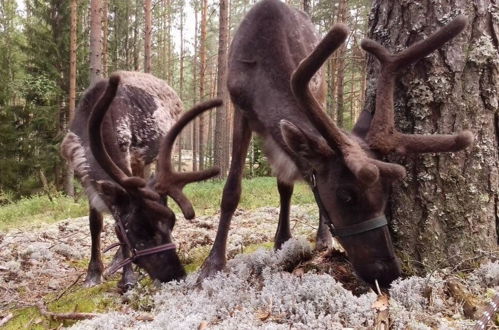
pixel 126 128
pixel 272 61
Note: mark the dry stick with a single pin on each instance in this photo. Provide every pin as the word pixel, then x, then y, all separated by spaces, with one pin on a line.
pixel 67 289
pixel 381 307
pixel 65 316
pixel 6 319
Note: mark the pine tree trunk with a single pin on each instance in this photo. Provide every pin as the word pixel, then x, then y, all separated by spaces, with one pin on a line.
pixel 69 173
pixel 202 72
pixel 220 117
pixel 95 41
pixel 147 35
pixel 181 82
pixel 105 47
pixel 136 42
pixel 340 74
pixel 447 208
pixel 195 123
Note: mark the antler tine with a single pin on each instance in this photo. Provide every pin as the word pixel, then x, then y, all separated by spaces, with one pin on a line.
pixel 171 182
pixel 382 135
pixel 95 133
pixel 354 156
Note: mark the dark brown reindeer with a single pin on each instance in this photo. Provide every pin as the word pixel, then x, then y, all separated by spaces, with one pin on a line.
pixel 126 127
pixel 276 45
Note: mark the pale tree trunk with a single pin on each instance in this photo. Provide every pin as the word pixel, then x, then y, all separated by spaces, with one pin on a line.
pixel 218 158
pixel 202 73
pixel 181 82
pixel 95 41
pixel 195 123
pixel 170 51
pixel 446 210
pixel 147 35
pixel 341 68
pixel 331 71
pixel 136 42
pixel 105 46
pixel 227 133
pixel 69 175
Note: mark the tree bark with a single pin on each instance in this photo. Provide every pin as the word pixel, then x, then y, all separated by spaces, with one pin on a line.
pixel 202 72
pixel 447 208
pixel 181 81
pixel 218 158
pixel 69 175
pixel 341 68
pixel 95 41
pixel 105 46
pixel 147 35
pixel 195 123
pixel 136 40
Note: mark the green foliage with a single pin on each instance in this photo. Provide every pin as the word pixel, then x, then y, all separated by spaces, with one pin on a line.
pixel 256 192
pixel 98 299
pixel 38 209
pixel 205 197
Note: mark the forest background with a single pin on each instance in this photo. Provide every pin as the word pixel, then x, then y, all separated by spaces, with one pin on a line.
pixel 184 43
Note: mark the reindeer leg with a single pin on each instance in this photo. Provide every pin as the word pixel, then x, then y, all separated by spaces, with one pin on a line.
pixel 283 232
pixel 95 266
pixel 230 197
pixel 324 240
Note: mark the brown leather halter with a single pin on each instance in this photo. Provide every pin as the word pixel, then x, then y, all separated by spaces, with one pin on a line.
pixel 355 229
pixel 121 232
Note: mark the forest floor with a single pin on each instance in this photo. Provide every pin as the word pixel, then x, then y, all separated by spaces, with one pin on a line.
pixel 42 270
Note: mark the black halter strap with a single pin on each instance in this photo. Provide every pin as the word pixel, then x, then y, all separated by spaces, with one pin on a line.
pixel 358 228
pixel 135 254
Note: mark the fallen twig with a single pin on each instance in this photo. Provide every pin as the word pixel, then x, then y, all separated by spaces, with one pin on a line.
pixel 66 316
pixel 6 319
pixel 67 289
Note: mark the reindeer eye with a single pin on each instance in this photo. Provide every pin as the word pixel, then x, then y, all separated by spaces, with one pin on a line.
pixel 345 196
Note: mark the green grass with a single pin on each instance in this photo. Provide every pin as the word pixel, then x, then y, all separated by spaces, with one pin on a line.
pixel 205 197
pixel 39 209
pixel 256 192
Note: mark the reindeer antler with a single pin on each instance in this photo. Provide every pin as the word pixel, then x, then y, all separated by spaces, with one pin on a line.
pixel 364 168
pixel 132 184
pixel 170 182
pixel 94 131
pixel 382 135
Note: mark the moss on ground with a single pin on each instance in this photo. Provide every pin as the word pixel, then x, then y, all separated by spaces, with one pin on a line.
pixel 98 299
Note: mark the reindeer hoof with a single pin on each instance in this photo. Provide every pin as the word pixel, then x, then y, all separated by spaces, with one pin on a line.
pixel 92 279
pixel 209 269
pixel 278 243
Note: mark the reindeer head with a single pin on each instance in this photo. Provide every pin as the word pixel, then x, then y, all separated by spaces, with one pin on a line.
pixel 144 222
pixel 351 186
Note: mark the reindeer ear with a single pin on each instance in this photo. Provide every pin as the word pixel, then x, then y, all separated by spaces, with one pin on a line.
pixel 111 189
pixel 308 147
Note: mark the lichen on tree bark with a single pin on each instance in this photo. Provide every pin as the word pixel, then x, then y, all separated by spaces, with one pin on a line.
pixel 446 210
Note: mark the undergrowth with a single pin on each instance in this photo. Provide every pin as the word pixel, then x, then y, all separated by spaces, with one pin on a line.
pixel 205 196
pixel 98 299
